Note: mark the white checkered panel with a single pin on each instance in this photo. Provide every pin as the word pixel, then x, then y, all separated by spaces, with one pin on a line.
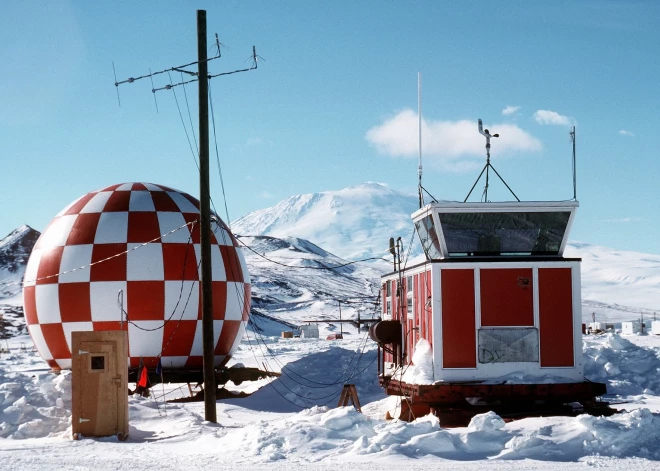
pixel 101 264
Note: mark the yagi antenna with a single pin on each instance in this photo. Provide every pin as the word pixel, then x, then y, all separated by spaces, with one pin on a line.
pixel 488 166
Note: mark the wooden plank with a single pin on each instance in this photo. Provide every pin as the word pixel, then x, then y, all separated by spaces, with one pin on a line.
pixel 454 394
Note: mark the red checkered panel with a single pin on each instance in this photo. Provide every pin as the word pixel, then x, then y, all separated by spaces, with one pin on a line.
pixel 114 249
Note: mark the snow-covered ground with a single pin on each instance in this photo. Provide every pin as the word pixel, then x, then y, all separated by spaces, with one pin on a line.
pixel 293 422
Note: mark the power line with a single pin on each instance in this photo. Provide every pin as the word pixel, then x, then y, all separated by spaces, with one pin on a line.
pixel 217 154
pixel 302 267
pixel 100 261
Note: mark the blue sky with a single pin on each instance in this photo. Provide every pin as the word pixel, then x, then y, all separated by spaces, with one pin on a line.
pixel 334 103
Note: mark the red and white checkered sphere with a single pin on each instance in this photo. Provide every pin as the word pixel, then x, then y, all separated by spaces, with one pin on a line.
pixel 105 251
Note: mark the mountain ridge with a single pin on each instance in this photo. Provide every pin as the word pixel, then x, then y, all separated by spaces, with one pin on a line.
pixel 608 275
pixel 15 249
pixel 353 223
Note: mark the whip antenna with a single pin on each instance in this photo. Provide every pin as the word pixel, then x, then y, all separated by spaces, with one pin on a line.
pixel 419 129
pixel 572 134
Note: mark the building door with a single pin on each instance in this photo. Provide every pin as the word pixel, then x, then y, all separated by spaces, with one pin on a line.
pixel 99 389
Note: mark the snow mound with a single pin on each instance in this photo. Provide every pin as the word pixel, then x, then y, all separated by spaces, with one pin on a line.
pixel 628 369
pixel 343 433
pixel 488 422
pixel 421 371
pixel 34 406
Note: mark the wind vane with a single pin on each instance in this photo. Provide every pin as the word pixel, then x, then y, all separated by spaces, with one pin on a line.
pixel 488 166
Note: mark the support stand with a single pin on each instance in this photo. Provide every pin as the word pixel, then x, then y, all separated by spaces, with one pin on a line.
pixel 349 393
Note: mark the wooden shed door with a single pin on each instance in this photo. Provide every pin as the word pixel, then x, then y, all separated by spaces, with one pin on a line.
pixel 98 388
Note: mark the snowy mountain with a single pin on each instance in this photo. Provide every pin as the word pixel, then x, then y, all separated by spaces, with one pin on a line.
pixel 15 250
pixel 353 223
pixel 356 222
pixel 294 280
pixel 617 280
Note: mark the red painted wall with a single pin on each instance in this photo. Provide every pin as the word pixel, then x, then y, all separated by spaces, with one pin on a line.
pixel 458 319
pixel 427 315
pixel 507 297
pixel 556 317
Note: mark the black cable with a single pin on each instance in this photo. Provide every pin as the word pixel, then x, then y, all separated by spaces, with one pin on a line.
pixel 284 375
pixel 185 259
pixel 185 129
pixel 283 369
pixel 361 346
pixel 192 127
pixel 297 266
pixel 339 380
pixel 217 154
pixel 332 395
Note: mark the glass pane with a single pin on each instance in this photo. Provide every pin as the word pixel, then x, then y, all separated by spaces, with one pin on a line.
pixel 98 363
pixel 508 345
pixel 428 237
pixel 494 233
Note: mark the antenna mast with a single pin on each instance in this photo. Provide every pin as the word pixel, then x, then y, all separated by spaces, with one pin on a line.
pixel 574 167
pixel 206 293
pixel 419 129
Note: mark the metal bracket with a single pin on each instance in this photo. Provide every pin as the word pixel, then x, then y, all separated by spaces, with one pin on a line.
pixel 80 421
pixel 82 352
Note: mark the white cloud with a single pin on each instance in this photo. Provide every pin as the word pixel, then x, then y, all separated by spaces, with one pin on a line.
pixel 452 144
pixel 266 195
pixel 509 110
pixel 254 142
pixel 623 132
pixel 552 117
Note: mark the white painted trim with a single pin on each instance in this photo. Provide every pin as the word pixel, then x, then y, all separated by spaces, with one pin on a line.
pixel 515 264
pixel 569 226
pixel 495 327
pixel 436 319
pixel 495 207
pixel 576 278
pixel 535 301
pixel 440 234
pixel 477 313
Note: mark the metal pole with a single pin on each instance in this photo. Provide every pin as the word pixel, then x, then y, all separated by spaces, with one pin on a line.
pixel 419 128
pixel 574 167
pixel 205 223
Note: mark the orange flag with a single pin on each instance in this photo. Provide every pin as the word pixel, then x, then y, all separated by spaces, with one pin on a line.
pixel 144 377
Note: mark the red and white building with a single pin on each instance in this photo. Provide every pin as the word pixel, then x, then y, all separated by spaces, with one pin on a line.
pixel 495 298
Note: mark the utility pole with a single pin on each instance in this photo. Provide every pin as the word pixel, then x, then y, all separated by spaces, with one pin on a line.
pixel 206 276
pixel 205 223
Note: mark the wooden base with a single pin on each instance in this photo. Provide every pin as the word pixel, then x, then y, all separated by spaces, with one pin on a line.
pixel 456 403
